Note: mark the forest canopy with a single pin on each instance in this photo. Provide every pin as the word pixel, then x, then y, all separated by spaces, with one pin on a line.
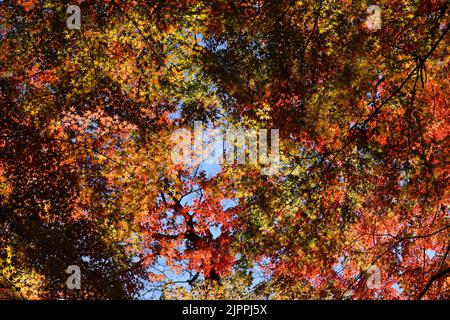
pixel 353 100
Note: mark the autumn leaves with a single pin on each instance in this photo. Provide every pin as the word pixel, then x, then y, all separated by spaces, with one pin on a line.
pixel 329 129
